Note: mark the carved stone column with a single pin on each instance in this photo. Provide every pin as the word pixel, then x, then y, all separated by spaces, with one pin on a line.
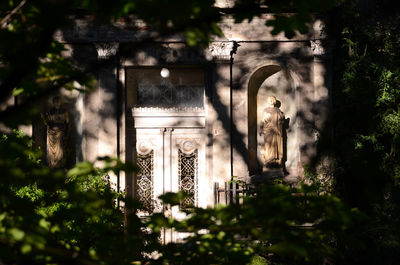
pixel 322 72
pixel 100 122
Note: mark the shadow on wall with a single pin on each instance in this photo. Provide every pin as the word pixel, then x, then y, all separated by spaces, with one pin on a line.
pixel 286 69
pixel 266 80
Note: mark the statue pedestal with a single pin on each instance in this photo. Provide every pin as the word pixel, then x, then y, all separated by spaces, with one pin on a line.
pixel 271 176
pixel 268 176
pixel 273 172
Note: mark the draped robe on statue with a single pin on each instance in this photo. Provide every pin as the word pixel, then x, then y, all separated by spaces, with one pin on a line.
pixel 57 125
pixel 272 128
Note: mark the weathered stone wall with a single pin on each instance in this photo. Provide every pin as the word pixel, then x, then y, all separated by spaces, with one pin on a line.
pixel 299 78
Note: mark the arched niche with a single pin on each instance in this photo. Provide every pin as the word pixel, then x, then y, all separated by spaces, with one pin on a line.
pixel 271 80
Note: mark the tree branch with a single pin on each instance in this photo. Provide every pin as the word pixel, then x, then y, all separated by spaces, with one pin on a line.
pixel 15 10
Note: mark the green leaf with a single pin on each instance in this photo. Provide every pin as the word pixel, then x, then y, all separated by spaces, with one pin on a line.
pixel 83 168
pixel 26 248
pixel 16 233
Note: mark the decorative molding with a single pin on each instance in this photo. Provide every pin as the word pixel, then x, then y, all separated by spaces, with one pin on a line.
pixel 169 53
pixel 221 50
pixel 106 49
pixel 156 120
pixel 179 111
pixel 168 110
pixel 317 47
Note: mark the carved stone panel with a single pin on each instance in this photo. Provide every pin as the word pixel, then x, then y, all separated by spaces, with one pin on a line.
pixel 188 172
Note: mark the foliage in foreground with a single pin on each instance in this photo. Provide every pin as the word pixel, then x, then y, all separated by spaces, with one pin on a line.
pixel 366 141
pixel 47 217
pixel 281 225
pixel 51 217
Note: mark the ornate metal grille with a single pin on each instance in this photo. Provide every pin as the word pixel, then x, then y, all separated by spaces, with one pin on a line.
pixel 169 96
pixel 144 180
pixel 188 171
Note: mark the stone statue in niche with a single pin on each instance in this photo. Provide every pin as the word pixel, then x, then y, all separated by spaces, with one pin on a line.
pixel 271 126
pixel 57 122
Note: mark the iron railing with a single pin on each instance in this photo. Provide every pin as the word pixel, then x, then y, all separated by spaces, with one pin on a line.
pixel 231 192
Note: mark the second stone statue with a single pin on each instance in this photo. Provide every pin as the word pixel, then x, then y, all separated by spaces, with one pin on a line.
pixel 271 126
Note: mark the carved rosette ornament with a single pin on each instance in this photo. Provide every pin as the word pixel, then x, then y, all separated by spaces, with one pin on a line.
pixel 144 148
pixel 188 147
pixel 106 50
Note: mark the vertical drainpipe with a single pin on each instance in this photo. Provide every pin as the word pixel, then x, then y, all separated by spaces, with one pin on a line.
pixel 118 118
pixel 233 51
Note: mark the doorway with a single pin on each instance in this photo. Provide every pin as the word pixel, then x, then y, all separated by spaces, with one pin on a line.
pixel 166 125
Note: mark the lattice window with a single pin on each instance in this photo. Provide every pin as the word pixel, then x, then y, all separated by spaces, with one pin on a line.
pixel 144 180
pixel 188 172
pixel 169 96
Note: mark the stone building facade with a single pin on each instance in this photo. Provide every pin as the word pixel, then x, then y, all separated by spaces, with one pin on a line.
pixel 189 117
